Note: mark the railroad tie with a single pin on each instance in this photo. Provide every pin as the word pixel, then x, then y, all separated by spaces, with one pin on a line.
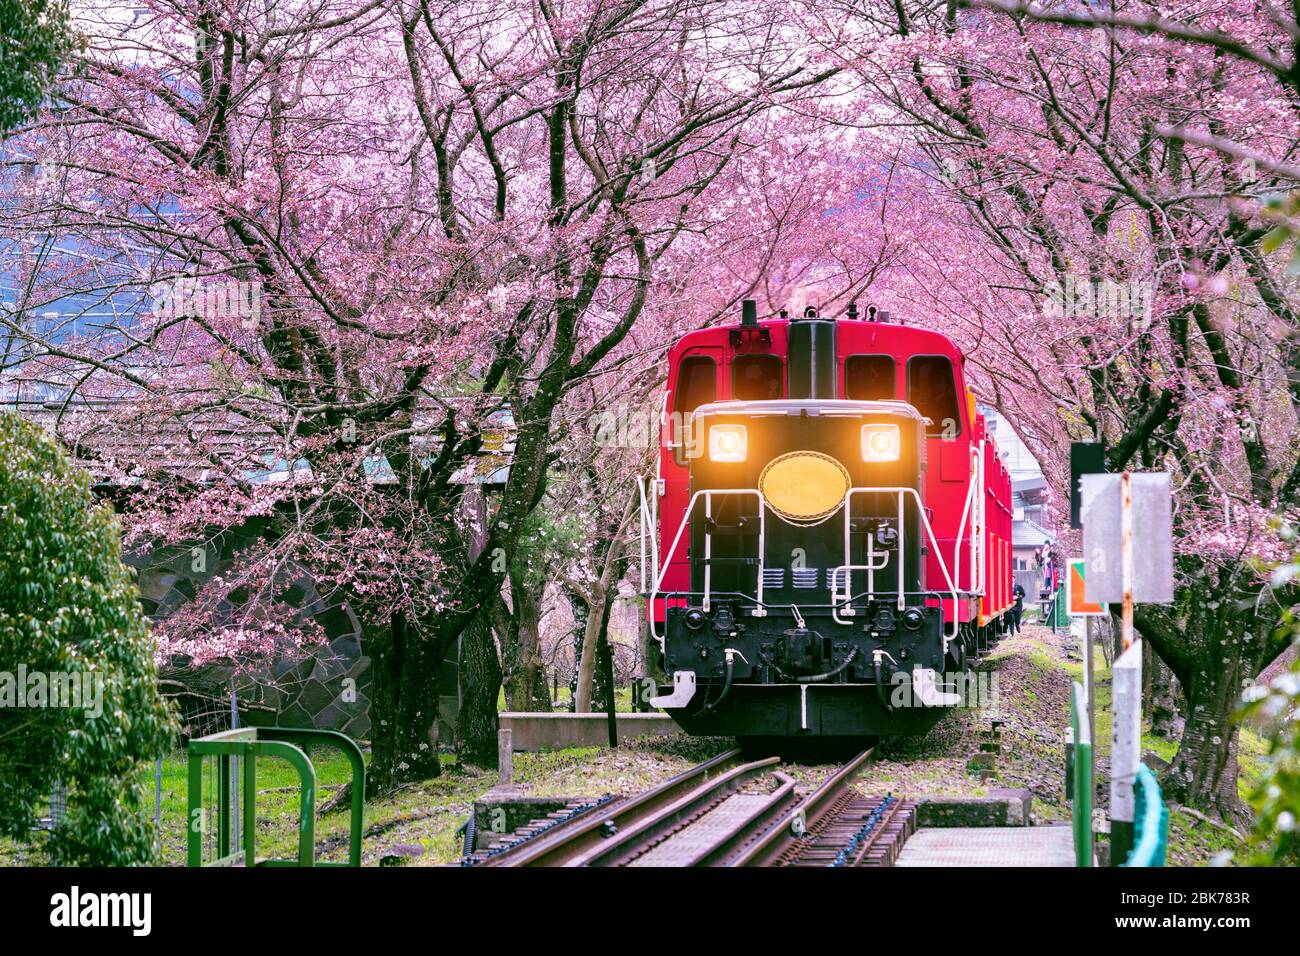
pixel 859 831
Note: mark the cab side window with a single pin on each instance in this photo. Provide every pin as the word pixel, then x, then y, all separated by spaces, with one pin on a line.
pixel 756 378
pixel 869 378
pixel 932 391
pixel 697 384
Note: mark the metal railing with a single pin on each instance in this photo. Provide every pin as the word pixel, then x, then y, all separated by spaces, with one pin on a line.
pixel 901 493
pixel 1081 777
pixel 839 604
pixel 649 514
pixel 1151 823
pixel 247 744
pixel 707 494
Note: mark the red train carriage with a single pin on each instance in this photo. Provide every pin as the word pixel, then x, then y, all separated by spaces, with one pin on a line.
pixel 828 537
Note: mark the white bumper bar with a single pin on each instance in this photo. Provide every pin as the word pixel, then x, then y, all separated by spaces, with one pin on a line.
pixel 683 691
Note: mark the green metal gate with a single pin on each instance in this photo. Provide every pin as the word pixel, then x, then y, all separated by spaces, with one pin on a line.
pixel 246 745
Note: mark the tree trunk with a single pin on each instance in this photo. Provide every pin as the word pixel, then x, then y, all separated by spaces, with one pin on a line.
pixel 480 677
pixel 611 571
pixel 1216 638
pixel 1166 721
pixel 1224 652
pixel 526 689
pixel 505 622
pixel 1204 772
pixel 590 646
pixel 1106 628
pixel 1116 637
pixel 404 706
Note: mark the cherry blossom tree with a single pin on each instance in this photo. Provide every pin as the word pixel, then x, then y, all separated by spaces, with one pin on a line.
pixel 333 242
pixel 303 262
pixel 1108 282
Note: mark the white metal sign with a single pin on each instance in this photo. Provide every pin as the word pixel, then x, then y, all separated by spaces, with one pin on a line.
pixel 1151 540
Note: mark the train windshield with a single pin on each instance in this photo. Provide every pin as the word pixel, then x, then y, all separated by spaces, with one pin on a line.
pixel 756 378
pixel 932 391
pixel 869 378
pixel 697 384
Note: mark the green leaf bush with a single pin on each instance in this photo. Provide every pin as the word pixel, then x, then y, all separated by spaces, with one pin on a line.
pixel 69 607
pixel 1275 840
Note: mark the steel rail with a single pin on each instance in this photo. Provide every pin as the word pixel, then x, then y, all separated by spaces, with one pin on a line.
pixel 759 821
pixel 644 829
pixel 553 847
pixel 805 817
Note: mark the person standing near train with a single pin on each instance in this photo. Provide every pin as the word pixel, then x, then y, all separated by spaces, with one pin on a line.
pixel 1017 609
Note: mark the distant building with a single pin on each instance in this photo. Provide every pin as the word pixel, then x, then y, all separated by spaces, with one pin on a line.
pixel 1032 519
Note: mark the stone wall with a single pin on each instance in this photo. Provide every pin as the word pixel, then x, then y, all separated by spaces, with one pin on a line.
pixel 328 687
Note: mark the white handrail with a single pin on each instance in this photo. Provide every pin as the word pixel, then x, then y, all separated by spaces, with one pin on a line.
pixel 708 551
pixel 961 525
pixel 649 514
pixel 870 567
pixel 677 538
pixel 925 523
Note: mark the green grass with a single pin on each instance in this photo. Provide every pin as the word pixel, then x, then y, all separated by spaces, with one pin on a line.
pixel 440 805
pixel 426 814
pixel 622 700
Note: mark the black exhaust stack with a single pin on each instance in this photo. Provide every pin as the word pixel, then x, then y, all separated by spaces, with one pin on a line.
pixel 750 336
pixel 812 356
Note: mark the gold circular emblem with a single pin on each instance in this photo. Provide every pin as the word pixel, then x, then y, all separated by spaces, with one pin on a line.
pixel 804 487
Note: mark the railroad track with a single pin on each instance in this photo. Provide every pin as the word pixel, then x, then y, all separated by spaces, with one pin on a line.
pixel 563 840
pixel 724 812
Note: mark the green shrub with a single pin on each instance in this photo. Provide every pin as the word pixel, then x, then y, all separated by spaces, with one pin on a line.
pixel 35 37
pixel 1275 708
pixel 79 699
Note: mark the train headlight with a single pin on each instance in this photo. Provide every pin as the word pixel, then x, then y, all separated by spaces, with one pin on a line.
pixel 728 443
pixel 880 442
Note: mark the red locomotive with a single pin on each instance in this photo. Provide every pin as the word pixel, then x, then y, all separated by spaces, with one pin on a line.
pixel 829 533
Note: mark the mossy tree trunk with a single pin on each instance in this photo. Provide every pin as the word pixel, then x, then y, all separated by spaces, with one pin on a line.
pixel 1216 638
pixel 480 679
pixel 612 563
pixel 526 688
pixel 403 706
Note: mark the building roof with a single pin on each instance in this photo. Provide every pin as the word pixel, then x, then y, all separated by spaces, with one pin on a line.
pixel 1029 534
pixel 119 445
pixel 1035 483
